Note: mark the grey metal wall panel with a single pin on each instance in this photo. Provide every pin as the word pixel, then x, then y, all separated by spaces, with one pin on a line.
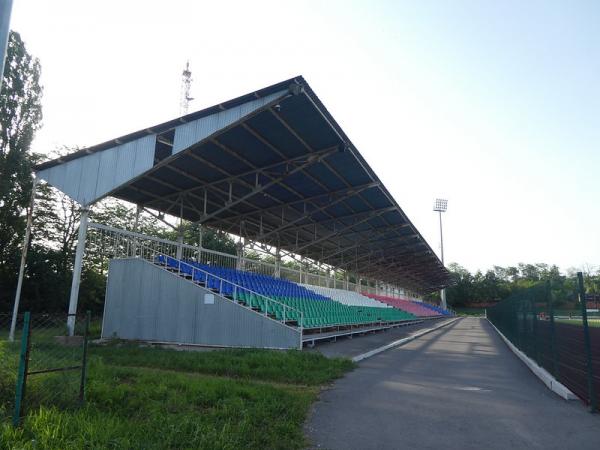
pixel 190 133
pixel 146 302
pixel 90 177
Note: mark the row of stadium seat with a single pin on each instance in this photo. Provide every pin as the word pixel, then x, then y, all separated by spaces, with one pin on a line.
pixel 416 308
pixel 442 311
pixel 316 310
pixel 346 297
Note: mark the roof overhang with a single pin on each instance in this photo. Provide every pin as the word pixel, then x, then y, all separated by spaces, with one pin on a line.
pixel 272 166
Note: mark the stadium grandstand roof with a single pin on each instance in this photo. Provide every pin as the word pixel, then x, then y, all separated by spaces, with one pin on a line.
pixel 272 166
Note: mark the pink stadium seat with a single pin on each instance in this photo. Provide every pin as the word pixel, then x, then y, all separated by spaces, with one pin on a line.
pixel 406 305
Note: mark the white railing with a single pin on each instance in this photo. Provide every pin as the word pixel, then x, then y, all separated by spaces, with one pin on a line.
pixel 134 244
pixel 115 243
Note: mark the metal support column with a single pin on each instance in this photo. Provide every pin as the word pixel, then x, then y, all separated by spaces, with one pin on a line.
pixel 179 253
pixel 278 262
pixel 13 322
pixel 138 210
pixel 83 225
pixel 199 259
pixel 240 255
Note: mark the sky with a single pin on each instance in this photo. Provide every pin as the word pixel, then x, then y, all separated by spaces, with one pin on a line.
pixel 492 105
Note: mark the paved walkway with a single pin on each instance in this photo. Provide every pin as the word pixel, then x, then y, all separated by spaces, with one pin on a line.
pixel 456 388
pixel 349 347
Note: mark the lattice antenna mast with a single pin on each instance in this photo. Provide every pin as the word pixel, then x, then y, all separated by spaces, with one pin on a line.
pixel 186 85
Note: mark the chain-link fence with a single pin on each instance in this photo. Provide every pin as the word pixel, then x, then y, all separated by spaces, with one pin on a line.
pixel 567 347
pixel 40 364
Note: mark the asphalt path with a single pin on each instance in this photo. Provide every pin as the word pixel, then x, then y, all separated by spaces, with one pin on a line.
pixel 456 388
pixel 349 347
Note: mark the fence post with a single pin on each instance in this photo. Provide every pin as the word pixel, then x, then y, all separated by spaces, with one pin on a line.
pixel 22 374
pixel 84 358
pixel 535 331
pixel 555 366
pixel 588 347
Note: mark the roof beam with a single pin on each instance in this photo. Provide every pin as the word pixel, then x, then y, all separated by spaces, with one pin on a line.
pixel 312 159
pixel 347 227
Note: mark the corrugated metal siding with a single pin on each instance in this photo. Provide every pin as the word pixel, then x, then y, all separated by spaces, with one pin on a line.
pixel 145 302
pixel 90 177
pixel 190 133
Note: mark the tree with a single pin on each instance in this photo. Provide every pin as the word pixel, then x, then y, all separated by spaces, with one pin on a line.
pixel 20 118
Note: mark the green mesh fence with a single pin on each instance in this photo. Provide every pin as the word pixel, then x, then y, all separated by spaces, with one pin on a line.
pixel 41 366
pixel 567 347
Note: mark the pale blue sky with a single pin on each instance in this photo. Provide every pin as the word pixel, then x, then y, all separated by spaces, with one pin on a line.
pixel 494 105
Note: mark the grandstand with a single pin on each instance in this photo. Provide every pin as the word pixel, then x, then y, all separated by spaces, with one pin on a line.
pixel 275 170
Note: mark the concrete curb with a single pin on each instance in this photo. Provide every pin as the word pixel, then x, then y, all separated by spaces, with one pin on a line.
pixel 551 383
pixel 400 342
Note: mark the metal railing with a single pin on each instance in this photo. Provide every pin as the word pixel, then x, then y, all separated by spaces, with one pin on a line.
pixel 117 243
pixel 135 244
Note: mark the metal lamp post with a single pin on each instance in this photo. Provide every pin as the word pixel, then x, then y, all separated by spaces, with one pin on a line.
pixel 440 206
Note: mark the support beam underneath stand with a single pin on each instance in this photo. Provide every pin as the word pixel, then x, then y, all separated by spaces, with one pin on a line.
pixel 83 225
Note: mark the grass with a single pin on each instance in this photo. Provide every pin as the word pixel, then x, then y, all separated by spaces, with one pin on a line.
pixel 280 366
pixel 591 322
pixel 140 397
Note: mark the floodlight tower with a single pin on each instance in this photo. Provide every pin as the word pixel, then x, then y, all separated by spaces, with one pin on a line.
pixel 440 206
pixel 186 85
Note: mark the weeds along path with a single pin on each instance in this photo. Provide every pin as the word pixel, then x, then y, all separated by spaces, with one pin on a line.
pixel 154 399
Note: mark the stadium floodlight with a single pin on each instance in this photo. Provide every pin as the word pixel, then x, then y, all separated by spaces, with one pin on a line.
pixel 440 206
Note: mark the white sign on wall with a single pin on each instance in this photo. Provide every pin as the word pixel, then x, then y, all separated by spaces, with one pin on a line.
pixel 209 299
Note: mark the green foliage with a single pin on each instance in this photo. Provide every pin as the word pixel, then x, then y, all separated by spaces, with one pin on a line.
pixel 502 282
pixel 132 408
pixel 20 117
pixel 154 399
pixel 211 239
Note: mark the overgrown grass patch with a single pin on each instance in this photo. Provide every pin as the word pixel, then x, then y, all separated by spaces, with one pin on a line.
pixel 132 408
pixel 291 366
pixel 140 397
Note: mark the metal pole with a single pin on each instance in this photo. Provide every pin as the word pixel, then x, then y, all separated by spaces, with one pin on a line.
pixel 138 210
pixel 84 358
pixel 5 10
pixel 239 255
pixel 22 374
pixel 13 323
pixel 83 225
pixel 588 345
pixel 199 243
pixel 278 262
pixel 443 293
pixel 555 366
pixel 179 253
pixel 534 330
